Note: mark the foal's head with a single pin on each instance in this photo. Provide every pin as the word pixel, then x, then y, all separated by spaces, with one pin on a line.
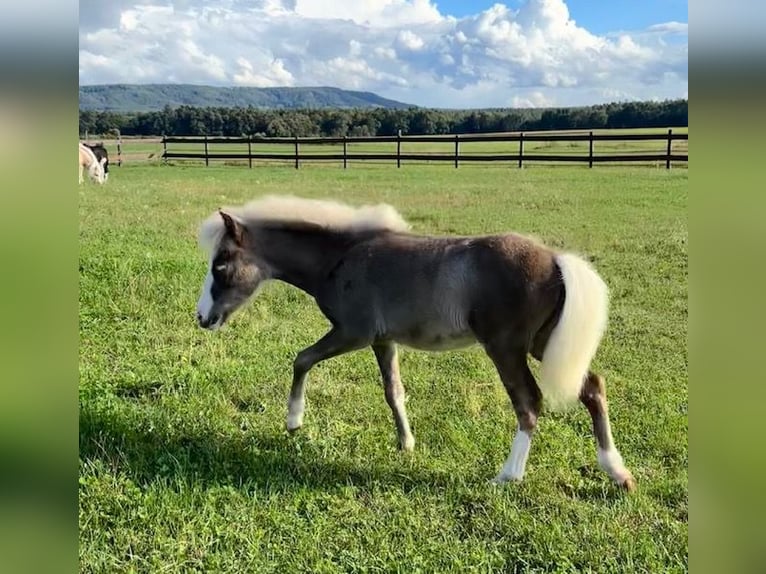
pixel 233 275
pixel 96 171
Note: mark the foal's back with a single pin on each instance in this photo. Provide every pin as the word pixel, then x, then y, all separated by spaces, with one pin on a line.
pixel 444 292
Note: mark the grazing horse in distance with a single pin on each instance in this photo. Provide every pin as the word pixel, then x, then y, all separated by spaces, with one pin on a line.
pixel 88 160
pixel 99 150
pixel 379 284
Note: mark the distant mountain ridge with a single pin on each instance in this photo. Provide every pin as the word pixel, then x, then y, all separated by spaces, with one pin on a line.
pixel 152 97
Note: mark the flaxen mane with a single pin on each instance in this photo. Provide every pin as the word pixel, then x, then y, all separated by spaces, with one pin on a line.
pixel 330 214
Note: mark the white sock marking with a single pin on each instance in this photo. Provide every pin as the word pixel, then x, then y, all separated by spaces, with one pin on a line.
pixel 295 415
pixel 408 443
pixel 514 466
pixel 611 461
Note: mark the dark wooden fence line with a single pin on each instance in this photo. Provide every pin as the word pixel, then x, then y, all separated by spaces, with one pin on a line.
pixel 455 157
pixel 431 157
pixel 534 137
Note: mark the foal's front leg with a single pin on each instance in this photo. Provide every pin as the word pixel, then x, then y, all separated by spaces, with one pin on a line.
pixel 388 363
pixel 334 343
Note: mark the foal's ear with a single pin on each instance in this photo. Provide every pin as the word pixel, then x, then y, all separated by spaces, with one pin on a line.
pixel 233 227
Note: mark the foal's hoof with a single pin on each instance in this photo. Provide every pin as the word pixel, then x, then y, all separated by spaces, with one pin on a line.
pixel 502 479
pixel 294 422
pixel 407 445
pixel 628 484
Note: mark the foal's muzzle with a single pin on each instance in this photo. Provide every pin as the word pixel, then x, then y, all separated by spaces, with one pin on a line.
pixel 211 322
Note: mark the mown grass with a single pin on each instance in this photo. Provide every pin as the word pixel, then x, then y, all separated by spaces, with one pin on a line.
pixel 184 461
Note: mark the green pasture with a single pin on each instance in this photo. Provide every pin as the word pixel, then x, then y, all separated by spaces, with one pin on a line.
pixel 184 462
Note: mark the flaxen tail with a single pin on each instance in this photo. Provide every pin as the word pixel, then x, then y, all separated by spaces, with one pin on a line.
pixel 575 339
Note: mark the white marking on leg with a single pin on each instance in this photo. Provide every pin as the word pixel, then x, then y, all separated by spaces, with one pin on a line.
pixel 406 440
pixel 295 411
pixel 514 466
pixel 611 461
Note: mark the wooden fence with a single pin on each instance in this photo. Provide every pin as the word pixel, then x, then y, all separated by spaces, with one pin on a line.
pixel 291 148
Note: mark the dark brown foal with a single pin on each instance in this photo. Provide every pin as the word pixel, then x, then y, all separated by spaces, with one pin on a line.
pixel 380 285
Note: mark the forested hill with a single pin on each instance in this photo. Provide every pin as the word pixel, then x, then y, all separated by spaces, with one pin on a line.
pixel 236 121
pixel 153 97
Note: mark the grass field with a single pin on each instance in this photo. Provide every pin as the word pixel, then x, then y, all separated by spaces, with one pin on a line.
pixel 184 461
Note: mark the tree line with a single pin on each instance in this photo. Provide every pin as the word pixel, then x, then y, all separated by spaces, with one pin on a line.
pixel 240 121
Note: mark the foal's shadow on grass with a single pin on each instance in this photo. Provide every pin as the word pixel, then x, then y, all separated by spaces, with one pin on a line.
pixel 124 441
pixel 132 446
pixel 591 485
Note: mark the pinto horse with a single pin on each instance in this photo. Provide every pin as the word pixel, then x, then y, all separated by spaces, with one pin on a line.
pixel 99 150
pixel 88 160
pixel 379 285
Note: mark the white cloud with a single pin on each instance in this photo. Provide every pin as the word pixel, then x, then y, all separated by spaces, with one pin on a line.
pixel 409 40
pixel 357 74
pixel 379 13
pixel 385 53
pixel 670 28
pixel 532 100
pixel 403 49
pixel 207 65
pixel 89 60
pixel 273 75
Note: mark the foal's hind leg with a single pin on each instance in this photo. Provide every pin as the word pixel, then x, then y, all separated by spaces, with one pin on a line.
pixel 593 396
pixel 527 401
pixel 388 363
pixel 334 343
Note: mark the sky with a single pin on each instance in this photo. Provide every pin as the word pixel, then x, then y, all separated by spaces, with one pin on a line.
pixel 597 17
pixel 449 53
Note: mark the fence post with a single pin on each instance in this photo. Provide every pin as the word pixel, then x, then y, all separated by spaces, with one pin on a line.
pixel 590 150
pixel 398 148
pixel 296 152
pixel 207 159
pixel 457 147
pixel 670 145
pixel 119 151
pixel 521 150
pixel 345 151
pixel 164 149
pixel 250 151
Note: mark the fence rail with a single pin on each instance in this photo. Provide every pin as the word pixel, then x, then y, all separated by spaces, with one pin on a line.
pixel 295 155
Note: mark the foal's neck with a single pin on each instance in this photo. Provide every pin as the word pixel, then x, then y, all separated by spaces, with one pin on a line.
pixel 302 254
